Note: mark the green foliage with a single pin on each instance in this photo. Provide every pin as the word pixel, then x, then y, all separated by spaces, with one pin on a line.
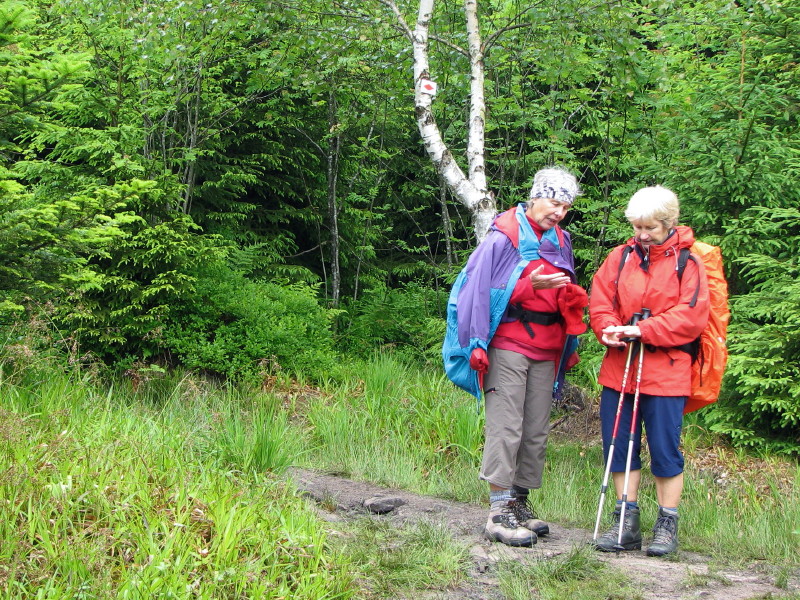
pixel 41 243
pixel 258 440
pixel 29 73
pixel 761 406
pixel 49 247
pixel 724 133
pixel 246 331
pixel 409 319
pixel 119 315
pixel 104 495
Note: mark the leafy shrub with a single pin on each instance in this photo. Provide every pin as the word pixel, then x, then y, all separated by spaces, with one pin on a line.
pixel 244 330
pixel 51 247
pixel 119 315
pixel 409 319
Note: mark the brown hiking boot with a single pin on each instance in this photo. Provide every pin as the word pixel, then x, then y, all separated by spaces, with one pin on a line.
pixel 525 517
pixel 503 526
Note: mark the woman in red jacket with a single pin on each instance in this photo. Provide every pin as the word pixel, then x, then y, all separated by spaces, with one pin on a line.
pixel 647 283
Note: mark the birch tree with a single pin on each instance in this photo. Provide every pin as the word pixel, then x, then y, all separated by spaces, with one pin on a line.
pixel 470 188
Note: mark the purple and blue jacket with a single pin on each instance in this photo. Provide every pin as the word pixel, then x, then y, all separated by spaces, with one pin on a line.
pixel 481 292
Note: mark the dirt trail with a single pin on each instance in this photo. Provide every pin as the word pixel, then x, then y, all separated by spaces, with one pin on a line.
pixel 656 579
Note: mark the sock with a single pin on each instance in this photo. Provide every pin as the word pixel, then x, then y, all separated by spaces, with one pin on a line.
pixel 519 492
pixel 499 496
pixel 672 512
pixel 630 503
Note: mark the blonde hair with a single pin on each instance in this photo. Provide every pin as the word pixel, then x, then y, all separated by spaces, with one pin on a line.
pixel 655 202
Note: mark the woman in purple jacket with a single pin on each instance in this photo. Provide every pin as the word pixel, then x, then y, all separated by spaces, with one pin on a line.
pixel 509 315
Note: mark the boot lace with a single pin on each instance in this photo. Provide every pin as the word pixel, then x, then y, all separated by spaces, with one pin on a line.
pixel 612 533
pixel 508 517
pixel 664 530
pixel 522 510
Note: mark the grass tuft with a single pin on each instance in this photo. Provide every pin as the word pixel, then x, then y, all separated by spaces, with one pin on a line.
pixel 578 575
pixel 394 562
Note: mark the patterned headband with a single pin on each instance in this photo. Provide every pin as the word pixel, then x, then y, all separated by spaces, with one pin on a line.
pixel 556 184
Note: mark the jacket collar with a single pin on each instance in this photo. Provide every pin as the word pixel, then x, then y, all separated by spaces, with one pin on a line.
pixel 514 224
pixel 681 237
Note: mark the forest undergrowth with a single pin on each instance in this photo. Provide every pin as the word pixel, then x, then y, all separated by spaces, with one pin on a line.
pixel 173 487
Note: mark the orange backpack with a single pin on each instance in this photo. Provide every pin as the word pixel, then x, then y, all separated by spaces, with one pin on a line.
pixel 711 352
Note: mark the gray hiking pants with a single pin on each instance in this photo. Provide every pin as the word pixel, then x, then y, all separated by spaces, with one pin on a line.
pixel 518 398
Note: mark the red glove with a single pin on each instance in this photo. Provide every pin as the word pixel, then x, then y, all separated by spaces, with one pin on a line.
pixel 571 302
pixel 479 361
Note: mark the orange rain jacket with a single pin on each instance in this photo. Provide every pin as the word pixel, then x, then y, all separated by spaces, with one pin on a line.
pixel 666 371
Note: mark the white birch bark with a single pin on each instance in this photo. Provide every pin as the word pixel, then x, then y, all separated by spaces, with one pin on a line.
pixel 470 190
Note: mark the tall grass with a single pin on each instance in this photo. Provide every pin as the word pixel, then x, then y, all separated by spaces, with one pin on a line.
pixel 119 495
pixel 401 427
pixel 174 489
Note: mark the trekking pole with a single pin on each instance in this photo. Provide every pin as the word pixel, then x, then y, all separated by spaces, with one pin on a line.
pixel 604 486
pixel 634 415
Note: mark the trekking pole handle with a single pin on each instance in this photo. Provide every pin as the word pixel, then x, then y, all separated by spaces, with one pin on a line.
pixel 634 320
pixel 639 316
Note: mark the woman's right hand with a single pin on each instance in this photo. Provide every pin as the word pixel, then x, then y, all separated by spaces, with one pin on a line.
pixel 543 281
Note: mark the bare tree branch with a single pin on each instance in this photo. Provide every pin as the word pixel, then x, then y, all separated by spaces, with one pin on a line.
pixel 401 21
pixel 496 35
pixel 449 44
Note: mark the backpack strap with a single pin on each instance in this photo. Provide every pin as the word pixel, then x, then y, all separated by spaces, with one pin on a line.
pixel 624 257
pixel 685 256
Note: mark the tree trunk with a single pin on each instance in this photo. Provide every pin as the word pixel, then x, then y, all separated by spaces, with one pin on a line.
pixel 334 145
pixel 470 191
pixel 446 225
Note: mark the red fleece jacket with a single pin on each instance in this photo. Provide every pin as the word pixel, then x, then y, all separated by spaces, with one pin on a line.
pixel 548 340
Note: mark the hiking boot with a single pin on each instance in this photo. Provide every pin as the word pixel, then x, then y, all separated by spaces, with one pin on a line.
pixel 503 526
pixel 631 533
pixel 665 535
pixel 525 517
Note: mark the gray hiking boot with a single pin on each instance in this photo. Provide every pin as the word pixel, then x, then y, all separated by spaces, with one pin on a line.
pixel 502 526
pixel 665 535
pixel 631 533
pixel 525 517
